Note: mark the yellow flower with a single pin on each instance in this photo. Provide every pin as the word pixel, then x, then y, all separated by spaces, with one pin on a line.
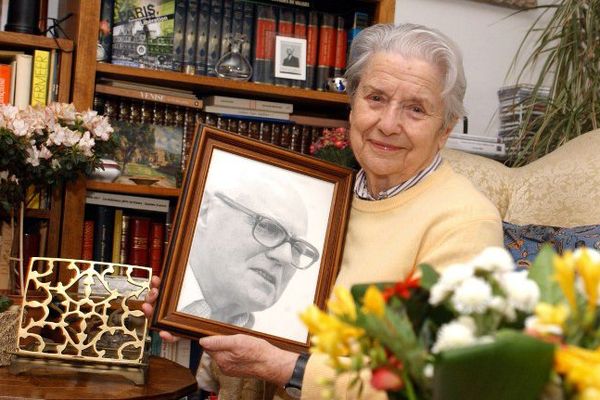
pixel 564 268
pixel 374 302
pixel 548 314
pixel 342 304
pixel 590 273
pixel 581 367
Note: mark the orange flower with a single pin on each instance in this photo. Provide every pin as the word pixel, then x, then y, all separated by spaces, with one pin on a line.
pixel 385 379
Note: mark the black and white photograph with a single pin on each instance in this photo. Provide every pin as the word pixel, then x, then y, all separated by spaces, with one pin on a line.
pixel 290 58
pixel 256 246
pixel 256 240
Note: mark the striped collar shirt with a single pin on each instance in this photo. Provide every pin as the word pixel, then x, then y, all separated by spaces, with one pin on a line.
pixel 362 191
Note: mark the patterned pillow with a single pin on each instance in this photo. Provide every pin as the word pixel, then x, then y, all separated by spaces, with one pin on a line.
pixel 524 241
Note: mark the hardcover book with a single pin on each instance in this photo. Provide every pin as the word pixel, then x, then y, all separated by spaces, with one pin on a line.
pixel 104 49
pixel 103 233
pixel 179 36
pixel 39 78
pixel 202 34
pixel 214 36
pixel 149 151
pixel 341 42
pixel 143 33
pixel 300 33
pixel 312 46
pixel 264 46
pixel 326 59
pixel 285 27
pixel 191 38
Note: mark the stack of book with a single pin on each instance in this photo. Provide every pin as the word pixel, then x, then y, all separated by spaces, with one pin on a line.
pixel 486 146
pixel 192 35
pixel 247 108
pixel 28 79
pixel 514 105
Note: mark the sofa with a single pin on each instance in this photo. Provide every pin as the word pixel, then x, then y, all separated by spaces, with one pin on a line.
pixel 554 199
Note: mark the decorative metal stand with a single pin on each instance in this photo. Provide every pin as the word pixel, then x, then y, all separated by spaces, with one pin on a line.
pixel 90 324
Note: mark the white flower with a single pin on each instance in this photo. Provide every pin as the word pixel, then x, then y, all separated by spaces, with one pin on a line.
pixel 451 277
pixel 55 164
pixel 101 128
pixel 494 259
pixel 86 143
pixel 458 333
pixel 428 371
pixel 474 295
pixel 533 323
pixel 34 156
pixel 522 293
pixel 4 175
pixel 500 305
pixel 45 153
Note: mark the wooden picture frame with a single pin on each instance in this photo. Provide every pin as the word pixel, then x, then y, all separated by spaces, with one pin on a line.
pixel 248 212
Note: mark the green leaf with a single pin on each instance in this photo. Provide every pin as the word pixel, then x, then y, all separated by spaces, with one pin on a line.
pixel 5 303
pixel 429 276
pixel 542 273
pixel 514 366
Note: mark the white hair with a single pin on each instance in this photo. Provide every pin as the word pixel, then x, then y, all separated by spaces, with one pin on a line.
pixel 412 41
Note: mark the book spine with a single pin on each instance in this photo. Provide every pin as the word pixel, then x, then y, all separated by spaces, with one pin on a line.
pixel 87 248
pixel 23 80
pixel 248 30
pixel 295 138
pixel 286 136
pixel 305 139
pixel 139 228
pixel 300 33
pixel 179 37
pixel 266 131
pixel 191 22
pixel 214 36
pixel 149 96
pixel 5 71
pixel 236 102
pixel 476 138
pixel 103 233
pixel 53 77
pixel 326 58
pixel 264 44
pixel 276 134
pixel 360 21
pixel 202 34
pixel 312 46
pixel 123 259
pixel 226 27
pixel 478 147
pixel 116 241
pixel 105 33
pixel 243 112
pixel 285 27
pixel 341 41
pixel 237 17
pixel 155 252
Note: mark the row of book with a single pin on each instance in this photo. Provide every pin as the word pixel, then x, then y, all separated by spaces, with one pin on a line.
pixel 192 35
pixel 515 103
pixel 28 79
pixel 156 137
pixel 126 229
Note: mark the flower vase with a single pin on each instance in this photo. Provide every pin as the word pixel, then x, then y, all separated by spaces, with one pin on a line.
pixel 11 265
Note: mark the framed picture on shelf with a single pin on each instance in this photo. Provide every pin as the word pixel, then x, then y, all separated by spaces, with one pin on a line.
pixel 290 58
pixel 257 238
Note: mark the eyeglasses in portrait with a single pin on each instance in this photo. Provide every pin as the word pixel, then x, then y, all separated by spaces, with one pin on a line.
pixel 257 238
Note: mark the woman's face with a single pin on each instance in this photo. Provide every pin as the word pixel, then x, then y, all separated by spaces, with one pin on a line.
pixel 396 122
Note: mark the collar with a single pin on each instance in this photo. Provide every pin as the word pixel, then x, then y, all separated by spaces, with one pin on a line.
pixel 362 192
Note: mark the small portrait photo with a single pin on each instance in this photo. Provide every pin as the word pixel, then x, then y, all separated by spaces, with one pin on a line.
pixel 256 240
pixel 290 58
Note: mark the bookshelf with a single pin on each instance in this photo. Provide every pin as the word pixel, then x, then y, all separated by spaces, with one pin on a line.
pixel 50 216
pixel 83 27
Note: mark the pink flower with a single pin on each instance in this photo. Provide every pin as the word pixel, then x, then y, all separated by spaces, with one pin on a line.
pixel 384 379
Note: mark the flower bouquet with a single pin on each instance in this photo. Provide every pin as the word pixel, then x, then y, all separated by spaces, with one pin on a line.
pixel 47 146
pixel 477 330
pixel 334 146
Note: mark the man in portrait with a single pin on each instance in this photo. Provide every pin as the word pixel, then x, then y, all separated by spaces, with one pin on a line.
pixel 290 59
pixel 248 244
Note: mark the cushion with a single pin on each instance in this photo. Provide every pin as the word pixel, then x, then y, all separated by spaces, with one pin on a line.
pixel 524 241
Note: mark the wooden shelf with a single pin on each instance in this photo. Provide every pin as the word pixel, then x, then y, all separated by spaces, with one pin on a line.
pixel 37 213
pixel 141 190
pixel 14 39
pixel 211 85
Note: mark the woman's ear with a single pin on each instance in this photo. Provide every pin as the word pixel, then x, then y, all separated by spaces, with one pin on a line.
pixel 445 133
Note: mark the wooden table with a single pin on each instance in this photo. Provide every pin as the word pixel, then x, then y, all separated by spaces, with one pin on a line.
pixel 166 380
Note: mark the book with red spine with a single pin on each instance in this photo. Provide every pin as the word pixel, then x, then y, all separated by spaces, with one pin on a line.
pixel 300 33
pixel 326 58
pixel 285 27
pixel 264 47
pixel 312 46
pixel 156 242
pixel 139 229
pixel 5 84
pixel 341 47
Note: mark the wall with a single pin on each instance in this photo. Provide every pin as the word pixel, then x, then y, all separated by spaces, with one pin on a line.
pixel 489 38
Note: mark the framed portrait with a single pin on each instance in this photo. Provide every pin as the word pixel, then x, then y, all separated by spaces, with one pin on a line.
pixel 290 58
pixel 257 237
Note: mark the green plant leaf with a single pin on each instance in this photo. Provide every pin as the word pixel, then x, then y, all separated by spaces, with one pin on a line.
pixel 542 273
pixel 429 276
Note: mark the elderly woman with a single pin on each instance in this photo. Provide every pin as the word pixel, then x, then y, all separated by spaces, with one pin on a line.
pixel 406 85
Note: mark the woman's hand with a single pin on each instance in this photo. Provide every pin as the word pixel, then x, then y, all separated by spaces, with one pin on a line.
pixel 148 307
pixel 247 356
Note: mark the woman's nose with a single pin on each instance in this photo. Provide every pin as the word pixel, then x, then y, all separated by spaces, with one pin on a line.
pixel 390 120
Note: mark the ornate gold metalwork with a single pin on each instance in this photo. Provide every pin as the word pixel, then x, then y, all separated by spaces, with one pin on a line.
pixel 93 318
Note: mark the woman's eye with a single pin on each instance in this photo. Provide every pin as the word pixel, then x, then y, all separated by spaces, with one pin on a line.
pixel 375 97
pixel 417 109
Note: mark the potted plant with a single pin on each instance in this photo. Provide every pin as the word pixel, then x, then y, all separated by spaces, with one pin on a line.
pixel 567 50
